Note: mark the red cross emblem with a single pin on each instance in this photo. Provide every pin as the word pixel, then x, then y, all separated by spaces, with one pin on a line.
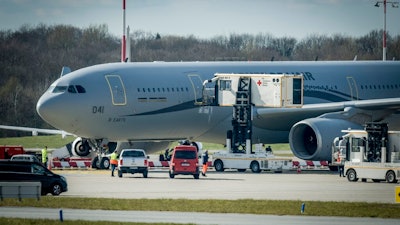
pixel 259 83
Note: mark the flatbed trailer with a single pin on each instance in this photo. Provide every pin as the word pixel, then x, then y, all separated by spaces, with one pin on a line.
pixel 256 162
pixel 388 172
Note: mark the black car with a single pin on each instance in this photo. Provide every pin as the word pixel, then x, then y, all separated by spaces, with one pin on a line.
pixel 33 171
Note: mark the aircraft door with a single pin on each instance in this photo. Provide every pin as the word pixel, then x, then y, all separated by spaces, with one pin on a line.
pixel 353 88
pixel 197 85
pixel 117 89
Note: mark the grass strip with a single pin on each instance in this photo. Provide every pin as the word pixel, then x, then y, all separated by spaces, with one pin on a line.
pixel 17 221
pixel 250 206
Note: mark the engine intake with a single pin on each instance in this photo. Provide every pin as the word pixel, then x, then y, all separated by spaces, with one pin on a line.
pixel 311 139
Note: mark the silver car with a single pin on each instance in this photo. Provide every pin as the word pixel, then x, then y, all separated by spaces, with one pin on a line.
pixel 25 157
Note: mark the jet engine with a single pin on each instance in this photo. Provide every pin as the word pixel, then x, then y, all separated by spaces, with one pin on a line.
pixel 81 147
pixel 311 139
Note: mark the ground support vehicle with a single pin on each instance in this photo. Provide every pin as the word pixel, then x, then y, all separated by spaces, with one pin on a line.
pixel 133 161
pixel 7 151
pixel 369 154
pixel 256 162
pixel 185 161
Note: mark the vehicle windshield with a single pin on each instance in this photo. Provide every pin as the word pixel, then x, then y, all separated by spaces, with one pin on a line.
pixel 185 154
pixel 133 154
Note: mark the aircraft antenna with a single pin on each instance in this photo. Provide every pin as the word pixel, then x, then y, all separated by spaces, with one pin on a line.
pixel 123 41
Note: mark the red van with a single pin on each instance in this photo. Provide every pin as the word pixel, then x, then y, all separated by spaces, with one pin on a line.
pixel 184 161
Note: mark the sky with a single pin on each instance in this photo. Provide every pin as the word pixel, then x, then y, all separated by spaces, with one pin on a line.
pixel 208 18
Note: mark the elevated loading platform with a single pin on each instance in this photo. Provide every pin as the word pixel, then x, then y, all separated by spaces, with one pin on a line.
pixel 245 91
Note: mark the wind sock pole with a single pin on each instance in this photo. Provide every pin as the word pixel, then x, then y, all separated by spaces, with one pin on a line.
pixel 123 41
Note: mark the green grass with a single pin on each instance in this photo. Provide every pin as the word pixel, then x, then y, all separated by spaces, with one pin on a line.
pixel 55 141
pixel 15 221
pixel 52 141
pixel 250 206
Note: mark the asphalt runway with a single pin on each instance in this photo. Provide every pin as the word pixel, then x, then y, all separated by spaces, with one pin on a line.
pixel 306 186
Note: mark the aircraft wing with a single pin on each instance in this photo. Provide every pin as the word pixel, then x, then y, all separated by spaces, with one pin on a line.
pixel 36 131
pixel 377 109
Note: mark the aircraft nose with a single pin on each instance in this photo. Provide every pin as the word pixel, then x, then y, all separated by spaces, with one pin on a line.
pixel 43 107
pixel 49 109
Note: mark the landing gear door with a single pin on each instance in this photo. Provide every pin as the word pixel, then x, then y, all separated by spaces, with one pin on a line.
pixel 117 89
pixel 197 85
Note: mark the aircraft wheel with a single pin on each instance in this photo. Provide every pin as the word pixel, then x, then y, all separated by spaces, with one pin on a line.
pixel 391 177
pixel 95 163
pixel 255 167
pixel 352 175
pixel 219 165
pixel 105 163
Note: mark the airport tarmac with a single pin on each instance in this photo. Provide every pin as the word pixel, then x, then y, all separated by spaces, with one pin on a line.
pixel 306 186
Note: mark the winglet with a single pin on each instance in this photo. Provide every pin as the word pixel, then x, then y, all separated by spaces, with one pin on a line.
pixel 65 70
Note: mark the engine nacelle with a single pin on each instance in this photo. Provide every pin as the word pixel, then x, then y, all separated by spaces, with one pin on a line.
pixel 80 147
pixel 311 139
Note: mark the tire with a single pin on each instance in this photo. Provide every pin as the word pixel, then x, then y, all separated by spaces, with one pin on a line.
pixel 391 177
pixel 219 165
pixel 255 167
pixel 242 170
pixel 95 163
pixel 119 173
pixel 56 189
pixel 145 174
pixel 171 174
pixel 105 163
pixel 352 175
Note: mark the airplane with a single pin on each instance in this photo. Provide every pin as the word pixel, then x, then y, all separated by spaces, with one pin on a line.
pixel 150 104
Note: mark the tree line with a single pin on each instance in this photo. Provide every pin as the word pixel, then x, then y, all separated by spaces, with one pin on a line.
pixel 31 57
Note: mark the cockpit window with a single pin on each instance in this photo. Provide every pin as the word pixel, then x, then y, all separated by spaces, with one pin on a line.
pixel 59 89
pixel 71 89
pixel 80 89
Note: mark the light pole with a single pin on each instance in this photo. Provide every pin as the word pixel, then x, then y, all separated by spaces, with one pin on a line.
pixel 394 5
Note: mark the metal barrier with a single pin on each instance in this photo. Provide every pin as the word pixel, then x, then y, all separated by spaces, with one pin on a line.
pixel 20 190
